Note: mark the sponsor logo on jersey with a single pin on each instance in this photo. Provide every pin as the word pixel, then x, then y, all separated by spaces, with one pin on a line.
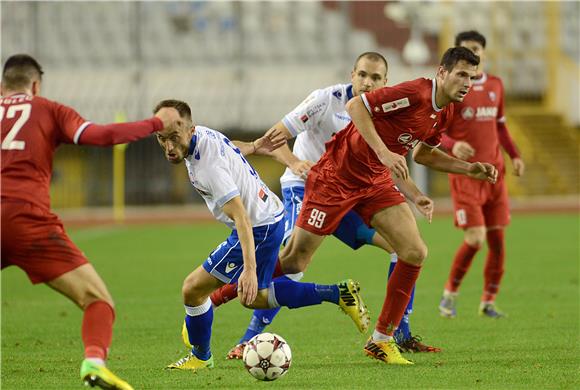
pixel 467 113
pixel 316 109
pixel 395 105
pixel 484 113
pixel 406 139
pixel 230 267
pixel 304 118
pixel 342 117
pixel 337 94
pixel 262 195
pixel 492 96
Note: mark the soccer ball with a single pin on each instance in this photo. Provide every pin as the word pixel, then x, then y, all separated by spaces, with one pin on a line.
pixel 267 356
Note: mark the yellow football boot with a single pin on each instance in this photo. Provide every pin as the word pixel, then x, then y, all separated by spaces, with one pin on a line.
pixel 387 351
pixel 93 374
pixel 352 304
pixel 191 362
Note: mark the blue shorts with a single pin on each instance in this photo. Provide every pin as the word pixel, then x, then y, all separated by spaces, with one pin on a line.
pixel 352 230
pixel 226 262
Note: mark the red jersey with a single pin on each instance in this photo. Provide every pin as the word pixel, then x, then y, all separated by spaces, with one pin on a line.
pixel 403 115
pixel 32 128
pixel 477 119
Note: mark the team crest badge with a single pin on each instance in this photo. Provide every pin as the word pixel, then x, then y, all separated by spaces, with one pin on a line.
pixel 492 96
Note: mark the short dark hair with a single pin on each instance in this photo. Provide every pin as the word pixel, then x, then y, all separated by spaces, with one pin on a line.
pixel 455 54
pixel 20 70
pixel 181 107
pixel 471 35
pixel 373 56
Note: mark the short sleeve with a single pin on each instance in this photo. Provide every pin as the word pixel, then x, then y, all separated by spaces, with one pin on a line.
pixel 218 181
pixel 387 101
pixel 70 123
pixel 307 114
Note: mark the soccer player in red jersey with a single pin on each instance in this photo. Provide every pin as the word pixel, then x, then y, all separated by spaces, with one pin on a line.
pixel 355 174
pixel 475 134
pixel 33 238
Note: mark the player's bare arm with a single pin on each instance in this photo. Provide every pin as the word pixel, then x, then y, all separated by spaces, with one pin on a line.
pixel 441 161
pixel 264 145
pixel 364 124
pixel 248 280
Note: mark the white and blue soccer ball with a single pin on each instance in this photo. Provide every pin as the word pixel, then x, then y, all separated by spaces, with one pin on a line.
pixel 267 356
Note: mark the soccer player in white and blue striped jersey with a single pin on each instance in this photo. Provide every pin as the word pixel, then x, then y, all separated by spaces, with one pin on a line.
pixel 313 123
pixel 236 196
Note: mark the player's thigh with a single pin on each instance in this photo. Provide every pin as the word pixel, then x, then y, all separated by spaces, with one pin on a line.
pixel 34 240
pixel 398 226
pixel 297 254
pixel 496 210
pixel 83 285
pixel 468 197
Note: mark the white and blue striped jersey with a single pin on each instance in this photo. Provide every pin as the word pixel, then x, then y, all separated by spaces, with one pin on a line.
pixel 219 172
pixel 313 122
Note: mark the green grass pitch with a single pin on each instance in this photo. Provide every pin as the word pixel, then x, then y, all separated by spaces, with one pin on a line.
pixel 143 266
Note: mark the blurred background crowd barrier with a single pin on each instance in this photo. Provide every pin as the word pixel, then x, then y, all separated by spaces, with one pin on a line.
pixel 243 65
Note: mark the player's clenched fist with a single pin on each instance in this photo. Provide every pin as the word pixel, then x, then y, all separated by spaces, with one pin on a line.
pixel 483 171
pixel 396 164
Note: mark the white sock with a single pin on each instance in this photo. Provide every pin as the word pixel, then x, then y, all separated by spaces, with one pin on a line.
pixel 378 336
pixel 97 361
pixel 447 293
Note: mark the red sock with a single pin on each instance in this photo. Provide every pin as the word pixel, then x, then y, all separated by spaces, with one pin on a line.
pixel 228 292
pixel 224 294
pixel 399 290
pixel 277 270
pixel 461 264
pixel 493 271
pixel 97 329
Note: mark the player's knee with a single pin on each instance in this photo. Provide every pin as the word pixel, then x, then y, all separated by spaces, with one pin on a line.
pixel 414 254
pixel 190 290
pixel 475 237
pixel 92 295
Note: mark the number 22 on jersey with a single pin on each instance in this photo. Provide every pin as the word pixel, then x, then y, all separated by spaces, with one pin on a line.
pixel 9 143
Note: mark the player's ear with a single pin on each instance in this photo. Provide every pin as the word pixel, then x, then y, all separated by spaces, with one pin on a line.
pixel 35 88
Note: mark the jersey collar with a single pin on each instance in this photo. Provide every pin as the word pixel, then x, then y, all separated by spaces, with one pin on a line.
pixel 433 90
pixel 192 144
pixel 349 92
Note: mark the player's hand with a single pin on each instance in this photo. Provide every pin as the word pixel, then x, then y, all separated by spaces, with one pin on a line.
pixel 168 116
pixel 483 171
pixel 425 206
pixel 462 150
pixel 301 167
pixel 248 286
pixel 269 142
pixel 519 166
pixel 396 164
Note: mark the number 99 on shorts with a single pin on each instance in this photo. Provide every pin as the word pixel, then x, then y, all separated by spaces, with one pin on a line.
pixel 316 218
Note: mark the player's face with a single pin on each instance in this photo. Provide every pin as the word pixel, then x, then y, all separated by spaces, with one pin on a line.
pixel 477 49
pixel 174 140
pixel 368 76
pixel 457 82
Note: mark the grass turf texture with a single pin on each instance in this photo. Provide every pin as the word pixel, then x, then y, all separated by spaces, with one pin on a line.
pixel 143 266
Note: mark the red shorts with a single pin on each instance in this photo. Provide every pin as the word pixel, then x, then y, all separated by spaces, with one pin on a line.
pixel 478 202
pixel 34 240
pixel 329 196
